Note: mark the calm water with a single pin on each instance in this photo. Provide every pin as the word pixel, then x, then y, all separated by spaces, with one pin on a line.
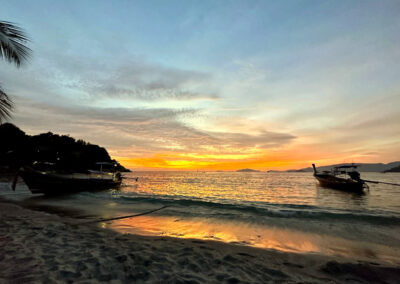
pixel 283 211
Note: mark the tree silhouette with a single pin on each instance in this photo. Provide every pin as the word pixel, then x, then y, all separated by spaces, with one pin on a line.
pixel 62 151
pixel 13 50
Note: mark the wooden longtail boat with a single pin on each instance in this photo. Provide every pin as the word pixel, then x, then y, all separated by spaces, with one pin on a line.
pixel 55 182
pixel 344 178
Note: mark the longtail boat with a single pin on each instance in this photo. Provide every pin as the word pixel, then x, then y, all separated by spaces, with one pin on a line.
pixel 57 182
pixel 345 178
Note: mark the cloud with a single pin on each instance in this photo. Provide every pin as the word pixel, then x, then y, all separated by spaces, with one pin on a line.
pixel 85 80
pixel 147 93
pixel 262 140
pixel 133 79
pixel 139 131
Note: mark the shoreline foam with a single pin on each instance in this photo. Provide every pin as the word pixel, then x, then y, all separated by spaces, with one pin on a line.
pixel 42 247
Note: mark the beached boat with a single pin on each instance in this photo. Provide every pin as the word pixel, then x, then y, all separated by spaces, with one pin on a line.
pixel 345 178
pixel 56 182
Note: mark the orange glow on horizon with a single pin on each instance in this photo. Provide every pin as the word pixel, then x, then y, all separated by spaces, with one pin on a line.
pixel 214 163
pixel 209 162
pixel 289 157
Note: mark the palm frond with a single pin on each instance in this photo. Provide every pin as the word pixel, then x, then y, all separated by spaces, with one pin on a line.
pixel 12 43
pixel 6 105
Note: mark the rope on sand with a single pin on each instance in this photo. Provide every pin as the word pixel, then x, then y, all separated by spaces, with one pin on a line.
pixel 124 217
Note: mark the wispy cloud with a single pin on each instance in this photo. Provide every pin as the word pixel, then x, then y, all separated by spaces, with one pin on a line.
pixel 86 79
pixel 146 130
pixel 134 79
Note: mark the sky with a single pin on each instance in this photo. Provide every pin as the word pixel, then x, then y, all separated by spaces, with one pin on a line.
pixel 212 85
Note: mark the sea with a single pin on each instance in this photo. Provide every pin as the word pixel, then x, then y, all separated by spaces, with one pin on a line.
pixel 282 211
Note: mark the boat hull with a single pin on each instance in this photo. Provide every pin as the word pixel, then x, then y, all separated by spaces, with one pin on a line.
pixel 41 182
pixel 349 185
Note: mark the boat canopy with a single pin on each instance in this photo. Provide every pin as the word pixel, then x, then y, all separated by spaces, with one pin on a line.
pixel 346 167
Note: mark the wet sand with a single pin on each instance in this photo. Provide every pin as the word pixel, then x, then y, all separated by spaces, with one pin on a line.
pixel 46 248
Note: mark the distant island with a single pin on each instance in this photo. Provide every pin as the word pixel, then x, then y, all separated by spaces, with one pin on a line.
pixel 393 170
pixel 247 170
pixel 362 167
pixel 288 171
pixel 65 153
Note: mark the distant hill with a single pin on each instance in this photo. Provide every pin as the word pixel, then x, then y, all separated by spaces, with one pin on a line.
pixel 65 153
pixel 393 170
pixel 363 167
pixel 247 170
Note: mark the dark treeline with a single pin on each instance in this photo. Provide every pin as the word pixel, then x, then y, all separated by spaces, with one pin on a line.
pixel 65 153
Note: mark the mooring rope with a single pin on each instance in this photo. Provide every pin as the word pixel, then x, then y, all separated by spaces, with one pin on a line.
pixel 134 178
pixel 124 217
pixel 375 181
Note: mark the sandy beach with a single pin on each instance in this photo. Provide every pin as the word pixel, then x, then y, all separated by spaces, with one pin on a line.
pixel 38 247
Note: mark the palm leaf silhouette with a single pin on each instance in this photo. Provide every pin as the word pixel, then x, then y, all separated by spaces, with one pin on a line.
pixel 14 50
pixel 6 105
pixel 12 43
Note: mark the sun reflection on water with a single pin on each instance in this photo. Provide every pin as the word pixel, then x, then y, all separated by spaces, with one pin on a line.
pixel 275 238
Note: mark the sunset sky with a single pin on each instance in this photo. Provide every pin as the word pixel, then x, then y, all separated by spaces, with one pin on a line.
pixel 213 85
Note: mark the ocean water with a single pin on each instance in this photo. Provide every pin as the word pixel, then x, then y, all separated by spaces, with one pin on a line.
pixel 281 211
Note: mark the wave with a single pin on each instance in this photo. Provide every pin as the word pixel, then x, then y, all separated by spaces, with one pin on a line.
pixel 245 209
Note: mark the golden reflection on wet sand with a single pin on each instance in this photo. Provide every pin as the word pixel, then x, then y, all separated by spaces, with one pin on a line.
pixel 257 236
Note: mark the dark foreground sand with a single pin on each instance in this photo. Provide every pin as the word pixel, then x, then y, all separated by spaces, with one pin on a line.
pixel 37 247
